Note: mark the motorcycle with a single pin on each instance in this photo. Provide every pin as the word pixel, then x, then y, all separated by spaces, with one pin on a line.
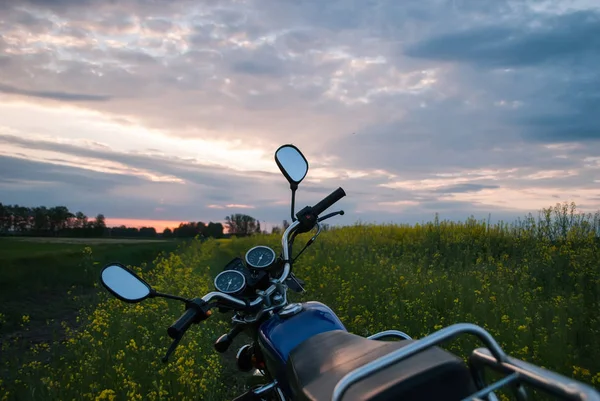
pixel 304 351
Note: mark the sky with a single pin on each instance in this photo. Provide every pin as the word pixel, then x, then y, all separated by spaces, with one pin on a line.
pixel 159 111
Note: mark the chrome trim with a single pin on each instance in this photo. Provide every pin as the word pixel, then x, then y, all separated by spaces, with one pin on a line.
pixel 544 379
pixel 518 372
pixel 242 348
pixel 442 335
pixel 286 251
pixel 256 302
pixel 290 310
pixel 261 312
pixel 390 333
pixel 263 267
pixel 280 394
pixel 265 388
pixel 230 292
pixel 224 297
pixel 263 296
pixel 488 391
pixel 319 228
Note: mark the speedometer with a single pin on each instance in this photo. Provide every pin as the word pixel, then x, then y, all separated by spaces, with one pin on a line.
pixel 230 282
pixel 260 257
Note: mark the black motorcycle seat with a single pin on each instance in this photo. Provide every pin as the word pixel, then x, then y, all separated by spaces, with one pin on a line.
pixel 316 365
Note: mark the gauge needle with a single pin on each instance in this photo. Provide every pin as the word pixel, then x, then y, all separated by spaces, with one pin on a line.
pixel 229 284
pixel 259 259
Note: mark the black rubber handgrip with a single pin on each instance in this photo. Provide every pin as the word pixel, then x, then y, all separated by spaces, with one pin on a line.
pixel 328 201
pixel 183 323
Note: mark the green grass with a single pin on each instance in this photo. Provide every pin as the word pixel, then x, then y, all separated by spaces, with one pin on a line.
pixel 537 293
pixel 35 277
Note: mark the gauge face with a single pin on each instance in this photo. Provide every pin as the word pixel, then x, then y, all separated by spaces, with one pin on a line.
pixel 230 282
pixel 260 257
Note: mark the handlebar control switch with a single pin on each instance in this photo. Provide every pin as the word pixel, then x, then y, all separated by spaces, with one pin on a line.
pixel 307 219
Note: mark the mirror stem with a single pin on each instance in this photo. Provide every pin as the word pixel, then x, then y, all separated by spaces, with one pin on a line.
pixel 293 187
pixel 160 294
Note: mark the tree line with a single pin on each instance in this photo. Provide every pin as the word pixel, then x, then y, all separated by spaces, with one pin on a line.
pixel 60 221
pixel 44 221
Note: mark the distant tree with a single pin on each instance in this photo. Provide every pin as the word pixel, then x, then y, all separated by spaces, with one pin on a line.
pixel 100 221
pixel 167 233
pixel 285 224
pixel 4 218
pixel 276 230
pixel 20 218
pixel 59 216
pixel 81 220
pixel 186 230
pixel 214 230
pixel 41 221
pixel 148 232
pixel 242 224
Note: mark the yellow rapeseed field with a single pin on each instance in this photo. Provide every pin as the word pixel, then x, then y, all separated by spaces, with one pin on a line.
pixel 534 285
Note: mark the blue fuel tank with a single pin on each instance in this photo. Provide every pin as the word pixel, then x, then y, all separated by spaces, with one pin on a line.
pixel 279 335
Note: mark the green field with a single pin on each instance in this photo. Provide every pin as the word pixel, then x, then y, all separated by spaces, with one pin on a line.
pixel 45 281
pixel 535 286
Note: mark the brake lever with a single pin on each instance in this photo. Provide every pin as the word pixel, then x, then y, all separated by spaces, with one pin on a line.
pixel 330 215
pixel 172 347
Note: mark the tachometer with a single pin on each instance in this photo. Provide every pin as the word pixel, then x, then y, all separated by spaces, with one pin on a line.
pixel 260 257
pixel 230 282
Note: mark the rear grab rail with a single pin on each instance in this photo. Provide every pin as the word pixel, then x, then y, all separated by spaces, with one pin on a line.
pixel 517 372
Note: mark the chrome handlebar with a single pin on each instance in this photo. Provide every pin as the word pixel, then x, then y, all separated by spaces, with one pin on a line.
pixel 287 268
pixel 275 283
pixel 219 296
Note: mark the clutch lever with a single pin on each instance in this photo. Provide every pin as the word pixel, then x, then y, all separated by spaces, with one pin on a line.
pixel 330 215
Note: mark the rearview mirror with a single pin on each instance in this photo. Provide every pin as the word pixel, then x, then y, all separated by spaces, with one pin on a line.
pixel 292 163
pixel 124 284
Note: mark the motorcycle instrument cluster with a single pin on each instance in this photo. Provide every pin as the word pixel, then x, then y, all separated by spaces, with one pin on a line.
pixel 230 282
pixel 260 257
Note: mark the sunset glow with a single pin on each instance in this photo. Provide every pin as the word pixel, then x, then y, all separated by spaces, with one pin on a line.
pixel 159 225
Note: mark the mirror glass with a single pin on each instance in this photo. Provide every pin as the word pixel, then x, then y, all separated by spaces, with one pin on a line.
pixel 291 163
pixel 124 284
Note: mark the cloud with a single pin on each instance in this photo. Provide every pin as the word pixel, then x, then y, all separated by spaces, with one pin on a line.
pixel 55 95
pixel 410 106
pixel 462 188
pixel 561 38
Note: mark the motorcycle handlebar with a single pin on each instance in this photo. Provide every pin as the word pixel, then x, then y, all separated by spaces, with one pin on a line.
pixel 236 302
pixel 177 329
pixel 328 201
pixel 198 309
pixel 225 298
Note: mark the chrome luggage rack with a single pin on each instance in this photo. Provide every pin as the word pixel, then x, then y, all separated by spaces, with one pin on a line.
pixel 516 371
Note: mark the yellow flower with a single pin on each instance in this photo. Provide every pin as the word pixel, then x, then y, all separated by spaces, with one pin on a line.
pixel 107 395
